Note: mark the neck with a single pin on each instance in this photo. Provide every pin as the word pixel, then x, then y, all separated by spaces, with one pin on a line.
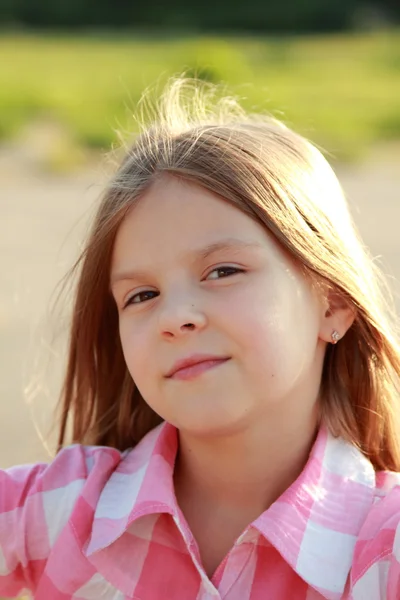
pixel 245 471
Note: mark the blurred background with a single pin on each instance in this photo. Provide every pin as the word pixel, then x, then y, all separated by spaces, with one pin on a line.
pixel 71 73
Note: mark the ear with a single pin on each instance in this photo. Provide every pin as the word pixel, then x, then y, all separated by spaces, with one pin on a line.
pixel 336 318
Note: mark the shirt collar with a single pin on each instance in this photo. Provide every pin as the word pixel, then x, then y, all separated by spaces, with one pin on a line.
pixel 142 484
pixel 314 524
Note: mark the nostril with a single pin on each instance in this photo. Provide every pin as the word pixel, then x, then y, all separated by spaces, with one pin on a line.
pixel 189 325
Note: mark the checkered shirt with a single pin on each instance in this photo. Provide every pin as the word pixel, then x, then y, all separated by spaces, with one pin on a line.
pixel 98 524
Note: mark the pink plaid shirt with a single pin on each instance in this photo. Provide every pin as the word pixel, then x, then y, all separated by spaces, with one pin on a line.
pixel 103 525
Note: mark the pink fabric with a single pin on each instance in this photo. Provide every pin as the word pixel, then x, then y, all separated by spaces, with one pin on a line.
pixel 98 524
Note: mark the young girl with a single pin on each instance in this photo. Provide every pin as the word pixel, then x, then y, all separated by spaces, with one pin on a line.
pixel 231 389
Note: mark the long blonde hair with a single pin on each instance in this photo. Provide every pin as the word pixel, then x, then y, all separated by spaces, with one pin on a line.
pixel 279 178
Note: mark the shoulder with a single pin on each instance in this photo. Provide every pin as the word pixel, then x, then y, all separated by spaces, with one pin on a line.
pixel 70 468
pixel 37 503
pixel 76 468
pixel 79 463
pixel 376 564
pixel 44 495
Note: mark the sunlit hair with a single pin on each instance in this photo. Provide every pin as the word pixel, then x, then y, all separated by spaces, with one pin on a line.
pixel 278 178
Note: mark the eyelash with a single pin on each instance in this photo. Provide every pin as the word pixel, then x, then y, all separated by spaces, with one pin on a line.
pixel 234 271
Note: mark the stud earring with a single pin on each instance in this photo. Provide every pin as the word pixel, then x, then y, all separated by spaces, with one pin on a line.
pixel 335 335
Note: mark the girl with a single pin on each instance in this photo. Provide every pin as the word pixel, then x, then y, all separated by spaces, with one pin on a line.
pixel 232 384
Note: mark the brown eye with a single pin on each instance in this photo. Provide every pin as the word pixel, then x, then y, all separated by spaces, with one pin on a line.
pixel 224 272
pixel 141 297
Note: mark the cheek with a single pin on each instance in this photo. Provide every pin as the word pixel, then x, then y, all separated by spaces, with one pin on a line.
pixel 134 343
pixel 279 330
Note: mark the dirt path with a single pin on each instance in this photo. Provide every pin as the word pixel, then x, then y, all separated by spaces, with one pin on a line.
pixel 42 219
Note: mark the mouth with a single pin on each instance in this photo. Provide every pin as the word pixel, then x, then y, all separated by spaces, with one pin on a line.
pixel 191 368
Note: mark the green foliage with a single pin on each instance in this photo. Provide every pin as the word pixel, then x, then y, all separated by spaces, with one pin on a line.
pixel 225 15
pixel 341 90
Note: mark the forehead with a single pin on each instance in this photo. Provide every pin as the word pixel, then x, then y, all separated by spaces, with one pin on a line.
pixel 178 215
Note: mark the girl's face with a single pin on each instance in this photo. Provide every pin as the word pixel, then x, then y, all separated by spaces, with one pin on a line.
pixel 192 275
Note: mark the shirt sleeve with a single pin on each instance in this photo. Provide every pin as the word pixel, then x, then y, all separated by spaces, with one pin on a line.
pixel 393 580
pixel 35 504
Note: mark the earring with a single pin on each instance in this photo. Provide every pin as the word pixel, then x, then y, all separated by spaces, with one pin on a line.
pixel 335 335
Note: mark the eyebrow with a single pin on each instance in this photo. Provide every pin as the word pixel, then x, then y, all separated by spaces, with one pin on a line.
pixel 200 253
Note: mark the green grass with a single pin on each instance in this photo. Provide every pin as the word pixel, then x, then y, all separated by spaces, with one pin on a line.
pixel 342 91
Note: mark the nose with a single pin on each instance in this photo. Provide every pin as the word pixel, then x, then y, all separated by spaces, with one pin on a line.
pixel 181 317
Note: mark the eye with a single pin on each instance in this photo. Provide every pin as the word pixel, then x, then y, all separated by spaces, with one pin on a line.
pixel 141 297
pixel 224 271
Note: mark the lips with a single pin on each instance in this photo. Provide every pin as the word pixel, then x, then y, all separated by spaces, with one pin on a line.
pixel 196 359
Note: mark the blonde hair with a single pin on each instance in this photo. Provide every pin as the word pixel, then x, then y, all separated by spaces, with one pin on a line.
pixel 277 177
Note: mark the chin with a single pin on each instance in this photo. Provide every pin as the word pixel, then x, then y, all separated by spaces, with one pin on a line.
pixel 209 426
